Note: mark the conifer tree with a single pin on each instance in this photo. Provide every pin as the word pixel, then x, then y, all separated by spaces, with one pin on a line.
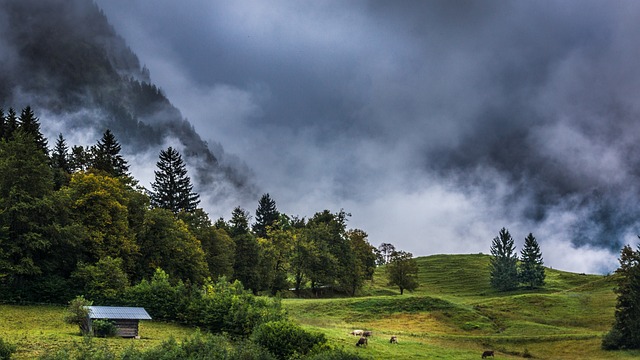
pixel 503 265
pixel 172 188
pixel 247 254
pixel 3 124
pixel 29 123
pixel 11 124
pixel 531 270
pixel 107 157
pixel 266 215
pixel 61 162
pixel 625 333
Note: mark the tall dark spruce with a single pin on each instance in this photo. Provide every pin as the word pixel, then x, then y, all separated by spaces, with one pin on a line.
pixel 172 188
pixel 504 262
pixel 531 271
pixel 107 157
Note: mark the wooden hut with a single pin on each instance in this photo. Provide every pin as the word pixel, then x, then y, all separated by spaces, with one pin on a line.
pixel 126 319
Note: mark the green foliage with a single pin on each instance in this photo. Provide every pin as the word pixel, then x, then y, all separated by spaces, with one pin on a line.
pixel 625 333
pixel 172 188
pixel 531 271
pixel 266 216
pixel 103 328
pixel 161 299
pixel 103 282
pixel 166 242
pixel 285 339
pixel 227 307
pixel 402 271
pixel 77 314
pixel 107 158
pixel 503 267
pixel 6 350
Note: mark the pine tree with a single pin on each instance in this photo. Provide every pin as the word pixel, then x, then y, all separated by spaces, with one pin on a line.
pixel 531 270
pixel 266 215
pixel 625 333
pixel 503 265
pixel 247 254
pixel 3 124
pixel 172 188
pixel 11 124
pixel 29 123
pixel 107 158
pixel 61 163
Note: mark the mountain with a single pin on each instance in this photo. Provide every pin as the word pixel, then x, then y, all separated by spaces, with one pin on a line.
pixel 65 60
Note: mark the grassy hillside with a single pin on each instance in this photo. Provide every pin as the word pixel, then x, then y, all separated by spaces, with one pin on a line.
pixel 36 329
pixel 456 315
pixel 453 315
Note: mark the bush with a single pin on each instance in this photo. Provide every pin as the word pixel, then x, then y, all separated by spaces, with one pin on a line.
pixel 104 328
pixel 6 350
pixel 285 339
pixel 77 314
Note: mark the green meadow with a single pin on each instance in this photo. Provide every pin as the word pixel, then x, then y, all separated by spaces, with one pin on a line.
pixel 454 314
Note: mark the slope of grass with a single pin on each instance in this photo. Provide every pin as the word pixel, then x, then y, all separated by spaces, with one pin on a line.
pixel 455 314
pixel 37 329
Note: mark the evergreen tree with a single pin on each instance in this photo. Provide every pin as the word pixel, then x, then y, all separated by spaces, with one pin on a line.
pixel 25 183
pixel 80 159
pixel 266 215
pixel 61 163
pixel 3 124
pixel 29 123
pixel 503 266
pixel 625 333
pixel 172 188
pixel 11 124
pixel 531 271
pixel 107 157
pixel 247 255
pixel 402 271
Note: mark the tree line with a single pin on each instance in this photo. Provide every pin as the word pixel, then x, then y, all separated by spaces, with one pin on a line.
pixel 74 221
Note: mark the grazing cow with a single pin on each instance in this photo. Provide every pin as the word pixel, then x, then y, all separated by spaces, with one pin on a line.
pixel 362 342
pixel 393 340
pixel 367 333
pixel 357 332
pixel 487 353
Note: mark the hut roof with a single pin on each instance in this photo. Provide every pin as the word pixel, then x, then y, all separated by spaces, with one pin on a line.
pixel 118 312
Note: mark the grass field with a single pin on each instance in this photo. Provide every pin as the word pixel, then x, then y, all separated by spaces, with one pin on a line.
pixel 453 315
pixel 456 315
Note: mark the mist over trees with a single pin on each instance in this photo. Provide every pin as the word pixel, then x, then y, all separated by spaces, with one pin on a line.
pixel 74 221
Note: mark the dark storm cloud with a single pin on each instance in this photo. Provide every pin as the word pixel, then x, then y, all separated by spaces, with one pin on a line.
pixel 435 123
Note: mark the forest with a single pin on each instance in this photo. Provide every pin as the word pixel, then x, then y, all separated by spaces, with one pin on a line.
pixel 74 221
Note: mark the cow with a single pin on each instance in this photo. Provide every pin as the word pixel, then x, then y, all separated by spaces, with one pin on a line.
pixel 362 341
pixel 487 353
pixel 393 340
pixel 357 332
pixel 367 333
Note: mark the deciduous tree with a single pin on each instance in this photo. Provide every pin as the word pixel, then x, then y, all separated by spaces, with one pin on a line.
pixel 402 271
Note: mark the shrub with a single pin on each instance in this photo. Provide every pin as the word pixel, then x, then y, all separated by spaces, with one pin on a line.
pixel 77 314
pixel 285 339
pixel 104 328
pixel 6 349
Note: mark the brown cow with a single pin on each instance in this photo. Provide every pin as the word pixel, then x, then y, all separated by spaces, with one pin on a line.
pixel 362 341
pixel 394 339
pixel 487 353
pixel 367 333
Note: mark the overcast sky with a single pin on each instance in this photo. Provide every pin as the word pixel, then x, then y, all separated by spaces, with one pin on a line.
pixel 434 123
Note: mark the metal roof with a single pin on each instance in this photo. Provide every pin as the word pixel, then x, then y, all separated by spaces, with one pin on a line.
pixel 118 312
